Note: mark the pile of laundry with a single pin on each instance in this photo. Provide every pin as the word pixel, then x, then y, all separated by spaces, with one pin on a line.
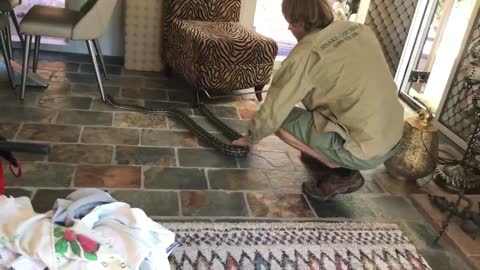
pixel 88 229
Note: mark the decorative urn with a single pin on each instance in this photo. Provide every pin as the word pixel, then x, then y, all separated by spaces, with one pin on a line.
pixel 417 153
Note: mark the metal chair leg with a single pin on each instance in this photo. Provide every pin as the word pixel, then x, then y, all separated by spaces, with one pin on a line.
pixel 98 50
pixel 26 58
pixel 91 50
pixel 6 57
pixel 9 41
pixel 35 53
pixel 17 27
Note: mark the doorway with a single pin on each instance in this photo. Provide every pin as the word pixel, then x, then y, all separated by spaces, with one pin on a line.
pixel 433 45
pixel 269 21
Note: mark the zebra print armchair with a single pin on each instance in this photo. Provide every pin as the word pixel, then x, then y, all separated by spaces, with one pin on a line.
pixel 204 42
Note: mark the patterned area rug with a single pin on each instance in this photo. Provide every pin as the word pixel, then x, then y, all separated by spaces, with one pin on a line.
pixel 319 245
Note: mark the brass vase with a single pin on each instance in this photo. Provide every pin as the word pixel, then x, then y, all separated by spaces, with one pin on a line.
pixel 417 153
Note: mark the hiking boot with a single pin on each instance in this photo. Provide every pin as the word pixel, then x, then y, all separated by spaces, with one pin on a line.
pixel 333 185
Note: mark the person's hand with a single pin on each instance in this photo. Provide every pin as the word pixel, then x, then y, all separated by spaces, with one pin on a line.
pixel 243 141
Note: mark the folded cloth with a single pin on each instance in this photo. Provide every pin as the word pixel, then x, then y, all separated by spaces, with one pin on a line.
pixel 10 260
pixel 22 231
pixel 140 241
pixel 78 204
pixel 110 236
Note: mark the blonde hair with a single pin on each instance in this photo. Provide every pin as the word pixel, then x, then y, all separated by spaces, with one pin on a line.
pixel 314 14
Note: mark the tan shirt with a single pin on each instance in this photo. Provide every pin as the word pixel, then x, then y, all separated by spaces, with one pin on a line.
pixel 340 74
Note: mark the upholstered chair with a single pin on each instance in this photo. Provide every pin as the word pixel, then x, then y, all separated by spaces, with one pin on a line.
pixel 204 42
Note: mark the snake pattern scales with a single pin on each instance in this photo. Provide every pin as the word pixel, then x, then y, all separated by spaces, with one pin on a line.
pixel 197 130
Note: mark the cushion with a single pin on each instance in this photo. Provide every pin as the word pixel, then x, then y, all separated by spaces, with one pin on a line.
pixel 222 43
pixel 50 21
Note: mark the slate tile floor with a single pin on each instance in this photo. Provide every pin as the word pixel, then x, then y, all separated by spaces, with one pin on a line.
pixel 154 163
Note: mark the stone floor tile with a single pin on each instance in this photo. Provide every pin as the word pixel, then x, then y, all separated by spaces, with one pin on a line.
pixel 278 205
pixel 237 179
pixel 168 138
pixel 159 105
pixel 81 153
pixel 147 74
pixel 97 135
pixel 59 77
pixel 247 108
pixel 91 90
pixel 124 81
pixel 18 192
pixel 394 207
pixel 99 105
pixel 343 207
pixel 220 112
pixel 28 157
pixel 85 118
pixel 45 73
pixel 151 156
pixel 111 69
pixel 154 203
pixel 240 126
pixel 457 233
pixel 27 114
pixel 288 180
pixel 49 133
pixel 267 160
pixel 373 187
pixel 140 120
pixel 273 144
pixel 474 262
pixel 176 124
pixel 44 199
pixel 205 158
pixel 143 93
pixel 58 88
pixel 12 99
pixel 393 185
pixel 64 102
pixel 58 66
pixel 213 203
pixel 167 84
pixel 8 130
pixel 181 96
pixel 423 235
pixel 114 60
pixel 175 178
pixel 154 83
pixel 220 136
pixel 297 162
pixel 108 176
pixel 84 78
pixel 439 260
pixel 42 175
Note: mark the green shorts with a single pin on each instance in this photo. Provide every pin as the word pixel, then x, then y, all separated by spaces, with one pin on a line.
pixel 299 123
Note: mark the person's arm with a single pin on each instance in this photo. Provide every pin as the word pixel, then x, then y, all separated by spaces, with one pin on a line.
pixel 290 85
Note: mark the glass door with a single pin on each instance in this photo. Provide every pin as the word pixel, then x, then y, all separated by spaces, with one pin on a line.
pixel 432 47
pixel 269 21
